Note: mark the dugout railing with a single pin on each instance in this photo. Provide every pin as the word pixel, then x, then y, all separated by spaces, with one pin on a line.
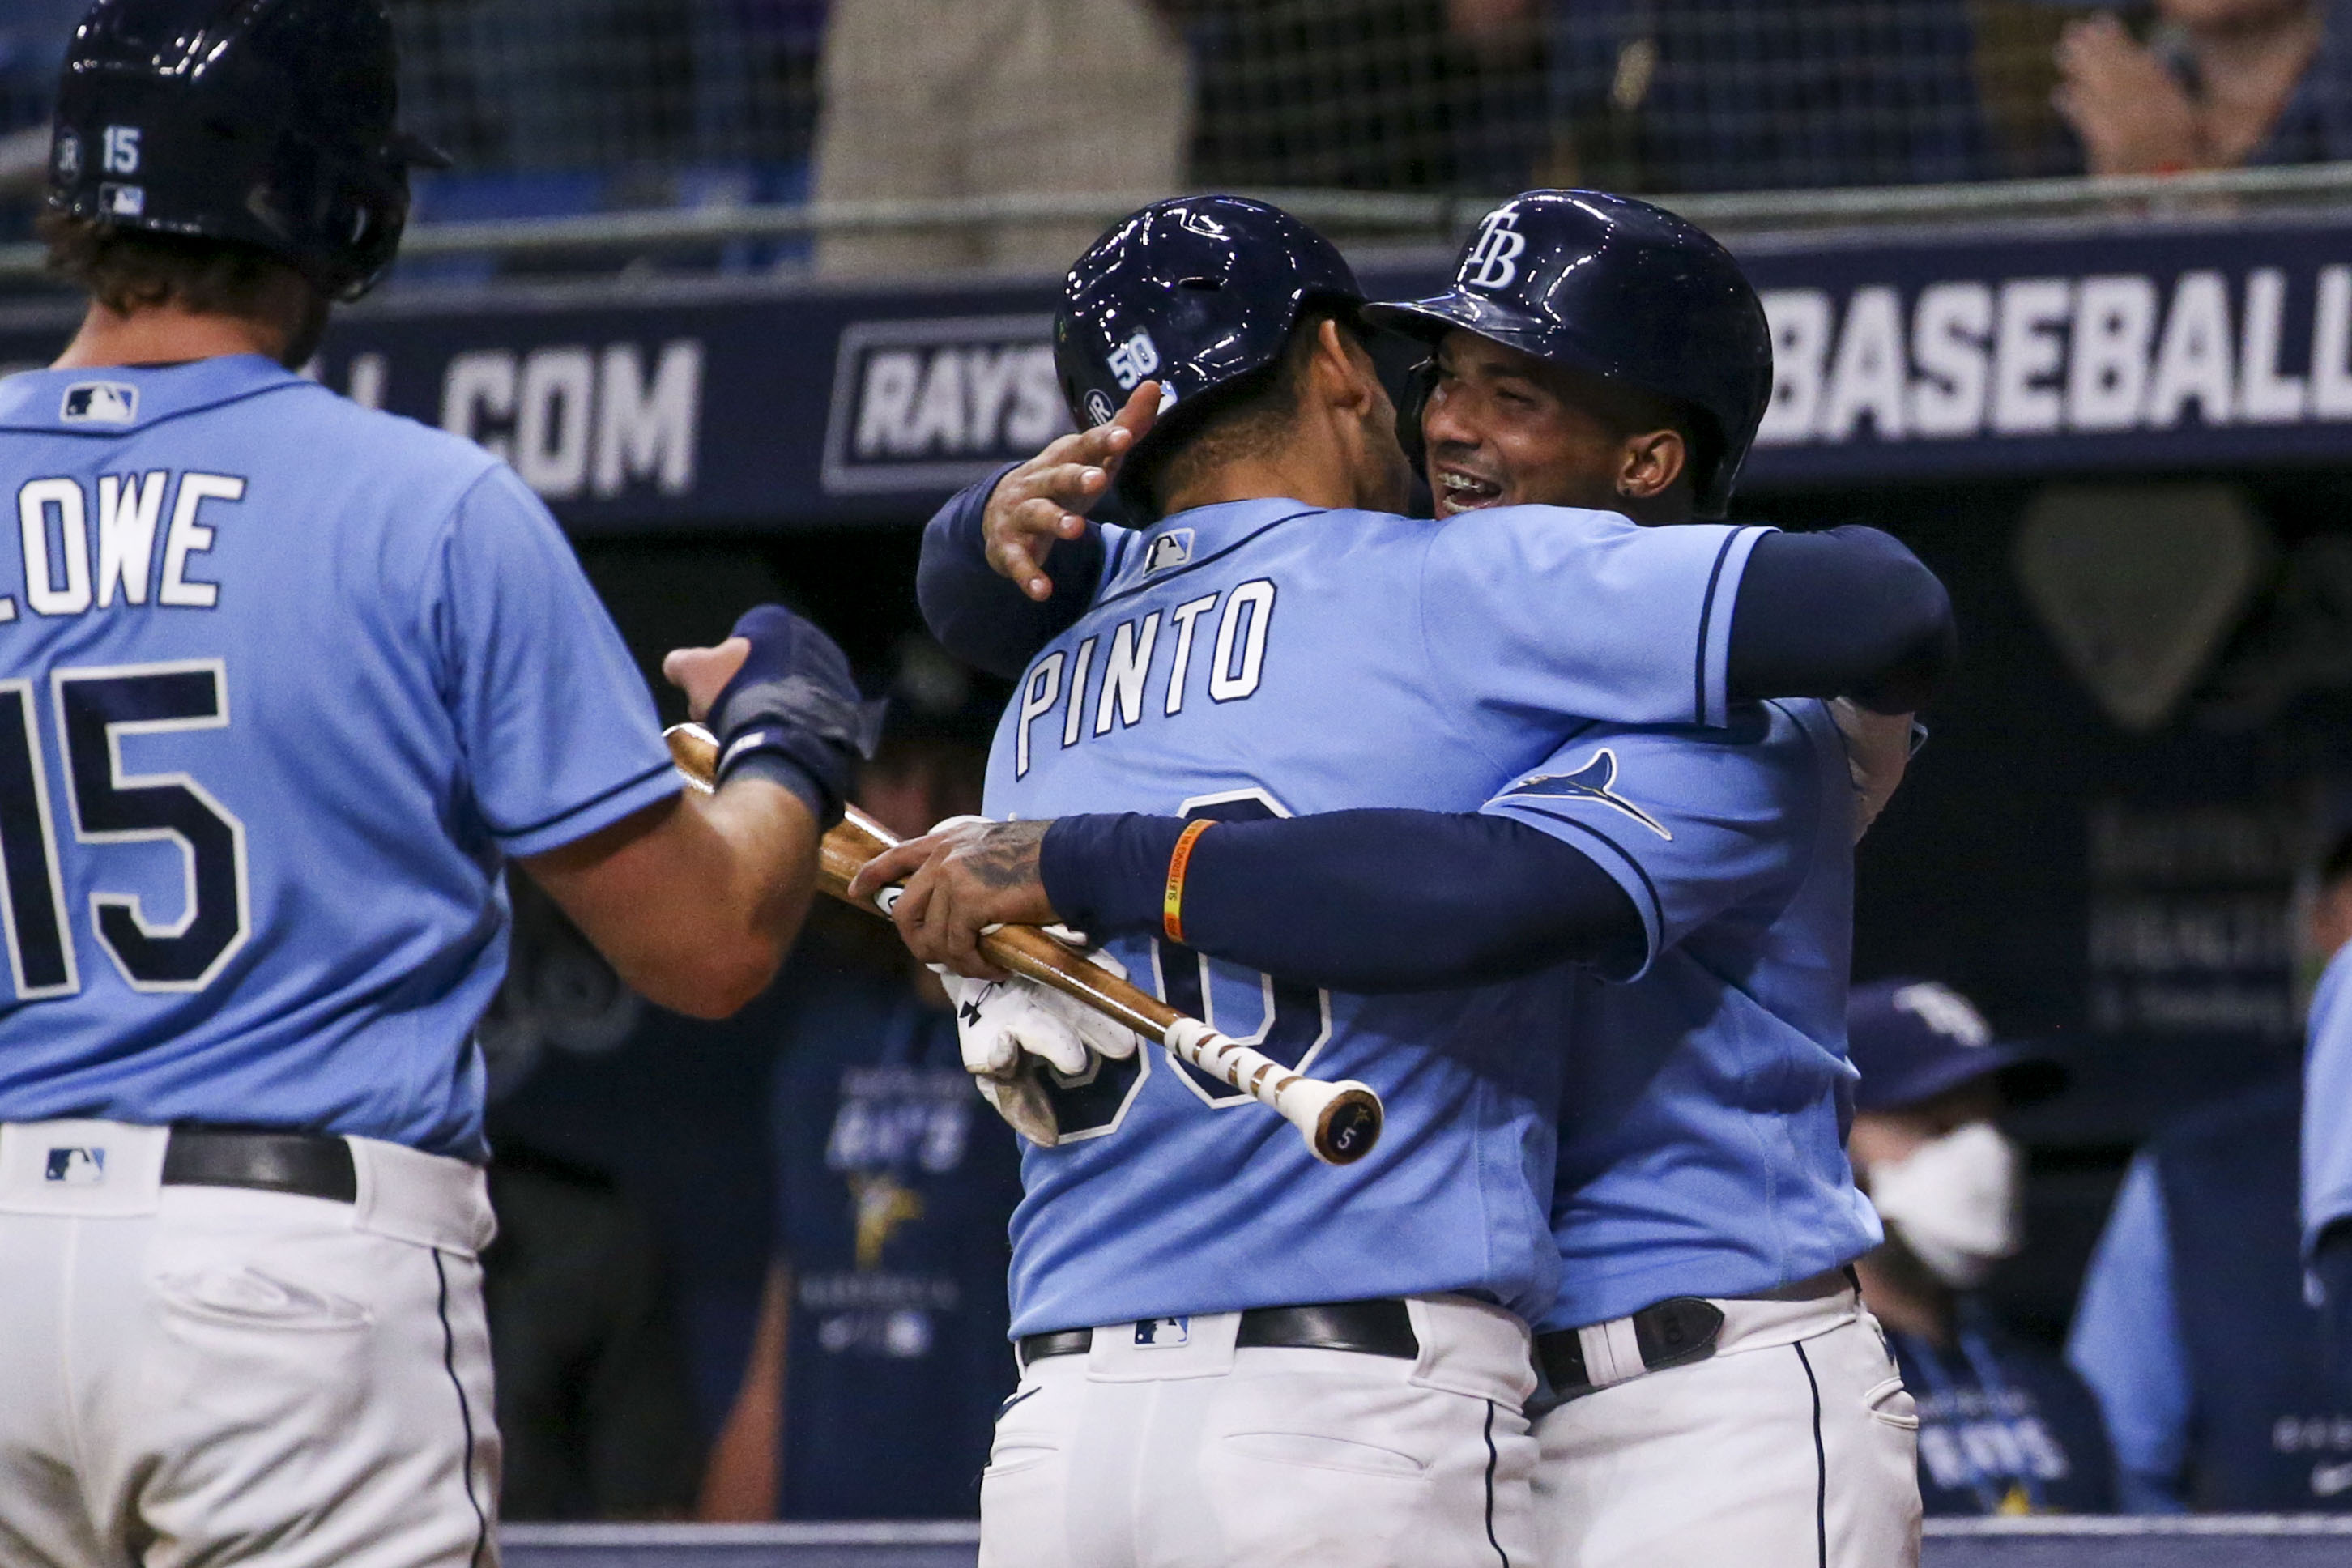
pixel 2270 1541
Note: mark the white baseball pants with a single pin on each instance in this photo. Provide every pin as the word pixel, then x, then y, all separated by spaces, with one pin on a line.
pixel 1200 1454
pixel 221 1376
pixel 1794 1446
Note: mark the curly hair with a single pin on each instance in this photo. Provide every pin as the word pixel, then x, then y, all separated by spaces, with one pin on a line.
pixel 126 269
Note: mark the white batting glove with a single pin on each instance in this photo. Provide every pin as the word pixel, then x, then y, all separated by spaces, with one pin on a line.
pixel 1015 1031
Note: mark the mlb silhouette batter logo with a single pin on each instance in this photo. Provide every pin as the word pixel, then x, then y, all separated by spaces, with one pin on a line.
pixel 77 1167
pixel 1173 547
pixel 101 403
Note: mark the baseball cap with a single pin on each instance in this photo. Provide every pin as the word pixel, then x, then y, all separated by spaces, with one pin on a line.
pixel 1914 1040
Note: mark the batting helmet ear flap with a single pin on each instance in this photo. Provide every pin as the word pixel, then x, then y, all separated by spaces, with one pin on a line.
pixel 1419 383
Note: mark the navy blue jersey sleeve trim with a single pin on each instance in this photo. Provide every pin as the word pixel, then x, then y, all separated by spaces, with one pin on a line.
pixel 1369 901
pixel 1117 561
pixel 982 618
pixel 591 804
pixel 1705 626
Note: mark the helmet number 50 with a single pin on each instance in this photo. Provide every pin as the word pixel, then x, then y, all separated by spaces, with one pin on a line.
pixel 96 708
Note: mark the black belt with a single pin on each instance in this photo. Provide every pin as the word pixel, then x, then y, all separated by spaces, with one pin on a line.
pixel 1674 1331
pixel 302 1164
pixel 1368 1328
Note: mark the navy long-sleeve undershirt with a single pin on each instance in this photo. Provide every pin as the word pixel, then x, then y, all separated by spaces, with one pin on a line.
pixel 1415 900
pixel 986 620
pixel 1401 901
pixel 1845 613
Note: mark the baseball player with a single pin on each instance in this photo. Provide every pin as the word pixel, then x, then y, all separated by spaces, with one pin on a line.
pixel 1704 1205
pixel 287 684
pixel 1308 707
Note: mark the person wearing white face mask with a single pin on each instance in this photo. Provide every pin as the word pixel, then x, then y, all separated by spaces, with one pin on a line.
pixel 2004 1427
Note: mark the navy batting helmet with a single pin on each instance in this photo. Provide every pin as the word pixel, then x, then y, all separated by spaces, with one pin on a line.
pixel 1621 290
pixel 1199 294
pixel 264 121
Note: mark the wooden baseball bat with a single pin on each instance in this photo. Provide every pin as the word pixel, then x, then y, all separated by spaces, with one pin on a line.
pixel 1340 1121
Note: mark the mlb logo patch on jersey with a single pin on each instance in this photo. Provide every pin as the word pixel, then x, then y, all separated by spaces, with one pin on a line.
pixel 79 1167
pixel 122 201
pixel 99 403
pixel 1173 547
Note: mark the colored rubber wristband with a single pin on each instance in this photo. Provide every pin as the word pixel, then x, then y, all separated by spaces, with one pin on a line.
pixel 1171 904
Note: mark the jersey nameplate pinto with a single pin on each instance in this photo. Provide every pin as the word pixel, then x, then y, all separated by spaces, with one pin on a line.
pixel 1060 679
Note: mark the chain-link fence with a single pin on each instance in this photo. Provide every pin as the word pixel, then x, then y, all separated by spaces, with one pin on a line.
pixel 562 108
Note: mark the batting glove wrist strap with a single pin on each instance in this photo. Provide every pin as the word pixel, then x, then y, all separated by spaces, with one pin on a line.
pixel 792 713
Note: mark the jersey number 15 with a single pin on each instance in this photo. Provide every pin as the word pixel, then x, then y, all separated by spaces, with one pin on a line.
pixel 95 707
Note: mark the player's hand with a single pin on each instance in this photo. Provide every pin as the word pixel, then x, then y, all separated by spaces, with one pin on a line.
pixel 1045 499
pixel 1014 1032
pixel 779 696
pixel 702 673
pixel 1877 751
pixel 963 877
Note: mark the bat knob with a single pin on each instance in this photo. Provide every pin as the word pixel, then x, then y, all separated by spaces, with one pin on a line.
pixel 1348 1125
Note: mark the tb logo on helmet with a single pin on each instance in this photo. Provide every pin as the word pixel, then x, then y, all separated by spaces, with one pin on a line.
pixel 1492 262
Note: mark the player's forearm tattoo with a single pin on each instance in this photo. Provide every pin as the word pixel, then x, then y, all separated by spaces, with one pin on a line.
pixel 1007 856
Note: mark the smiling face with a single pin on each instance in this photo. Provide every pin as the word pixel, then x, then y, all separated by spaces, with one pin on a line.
pixel 1504 428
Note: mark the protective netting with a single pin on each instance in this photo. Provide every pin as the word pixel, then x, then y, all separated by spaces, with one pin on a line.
pixel 554 108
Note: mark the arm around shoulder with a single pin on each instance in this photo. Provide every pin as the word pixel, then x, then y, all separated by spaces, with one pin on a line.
pixel 1845 613
pixel 981 616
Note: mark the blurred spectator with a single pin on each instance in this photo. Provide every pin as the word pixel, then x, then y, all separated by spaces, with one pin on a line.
pixel 883 1357
pixel 1735 95
pixel 2004 1427
pixel 938 98
pixel 2326 1207
pixel 2219 84
pixel 2193 1329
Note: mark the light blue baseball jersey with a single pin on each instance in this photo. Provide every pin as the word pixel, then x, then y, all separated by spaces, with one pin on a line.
pixel 286 683
pixel 2327 1102
pixel 1263 658
pixel 1701 1135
